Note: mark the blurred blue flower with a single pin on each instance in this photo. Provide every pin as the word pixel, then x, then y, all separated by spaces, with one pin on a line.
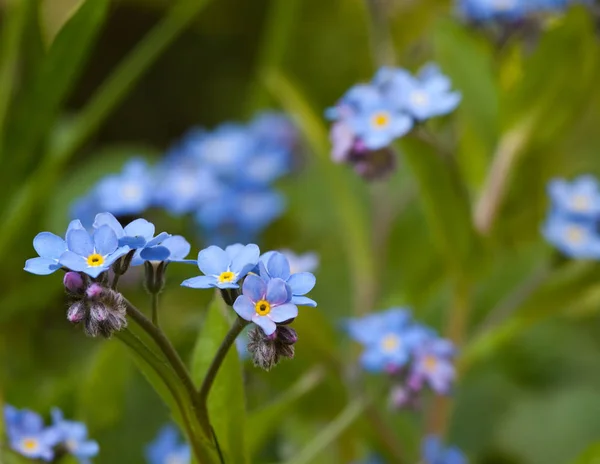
pixel 274 264
pixel 92 253
pixel 487 10
pixel 433 365
pixel 433 452
pixel 578 198
pixel 50 248
pixel 265 303
pixel 167 449
pixel 224 268
pixel 129 192
pixel 389 338
pixel 305 262
pixel 575 238
pixel 27 434
pixel 74 437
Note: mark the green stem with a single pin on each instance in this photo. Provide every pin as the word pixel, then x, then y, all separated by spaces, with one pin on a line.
pixel 154 298
pixel 234 331
pixel 382 45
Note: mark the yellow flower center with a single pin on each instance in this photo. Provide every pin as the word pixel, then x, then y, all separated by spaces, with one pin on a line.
pixel 430 363
pixel 581 202
pixel 226 276
pixel 380 119
pixel 390 343
pixel 575 234
pixel 262 307
pixel 95 260
pixel 30 444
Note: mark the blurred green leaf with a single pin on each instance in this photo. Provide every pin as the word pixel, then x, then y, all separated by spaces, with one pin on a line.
pixel 590 456
pixel 226 400
pixel 102 392
pixel 54 14
pixel 264 422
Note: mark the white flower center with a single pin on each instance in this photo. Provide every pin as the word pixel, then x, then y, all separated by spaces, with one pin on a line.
pixel 575 235
pixel 175 459
pixel 419 98
pixel 390 343
pixel 131 191
pixel 581 203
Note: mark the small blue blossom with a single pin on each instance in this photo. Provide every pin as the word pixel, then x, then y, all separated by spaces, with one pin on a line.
pixel 265 303
pixel 433 452
pixel 275 265
pixel 389 338
pixel 576 239
pixel 92 253
pixel 74 437
pixel 433 365
pixel 487 10
pixel 224 268
pixel 27 434
pixel 50 248
pixel 167 449
pixel 172 249
pixel 305 262
pixel 579 198
pixel 137 234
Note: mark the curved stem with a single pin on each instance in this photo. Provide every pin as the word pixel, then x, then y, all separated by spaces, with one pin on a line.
pixel 155 309
pixel 235 330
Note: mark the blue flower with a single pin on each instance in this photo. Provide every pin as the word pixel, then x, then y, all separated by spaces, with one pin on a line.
pixel 50 248
pixel 265 303
pixel 129 192
pixel 274 130
pixel 433 452
pixel 575 238
pixel 389 338
pixel 167 449
pixel 137 234
pixel 27 434
pixel 275 265
pixel 74 437
pixel 306 262
pixel 579 198
pixel 92 253
pixel 487 10
pixel 224 268
pixel 433 365
pixel 172 249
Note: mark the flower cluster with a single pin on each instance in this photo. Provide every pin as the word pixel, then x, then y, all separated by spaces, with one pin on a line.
pixel 434 452
pixel 571 225
pixel 369 117
pixel 31 438
pixel 509 10
pixel 202 175
pixel 167 448
pixel 413 354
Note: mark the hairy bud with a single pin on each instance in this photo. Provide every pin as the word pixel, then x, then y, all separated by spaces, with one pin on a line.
pixel 101 310
pixel 268 350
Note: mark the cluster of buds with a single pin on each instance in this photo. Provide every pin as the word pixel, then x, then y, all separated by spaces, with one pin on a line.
pixel 268 350
pixel 101 309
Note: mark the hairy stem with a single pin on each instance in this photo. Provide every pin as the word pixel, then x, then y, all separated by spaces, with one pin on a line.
pixel 154 298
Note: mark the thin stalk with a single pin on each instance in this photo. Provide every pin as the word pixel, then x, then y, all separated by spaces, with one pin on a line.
pixel 154 298
pixel 209 379
pixel 115 281
pixel 382 45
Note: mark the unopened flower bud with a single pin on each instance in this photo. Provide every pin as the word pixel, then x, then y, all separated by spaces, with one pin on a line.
pixel 121 265
pixel 286 335
pixel 76 312
pixel 262 349
pixel 94 291
pixel 155 276
pixel 73 282
pixel 402 397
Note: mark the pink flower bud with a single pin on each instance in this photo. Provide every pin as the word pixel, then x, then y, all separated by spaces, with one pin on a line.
pixel 73 282
pixel 94 291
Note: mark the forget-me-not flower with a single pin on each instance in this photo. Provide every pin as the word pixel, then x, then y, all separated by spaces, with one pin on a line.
pixel 576 239
pixel 433 365
pixel 578 198
pixel 265 303
pixel 172 249
pixel 74 437
pixel 487 10
pixel 274 264
pixel 434 452
pixel 167 449
pixel 224 268
pixel 50 248
pixel 27 434
pixel 137 234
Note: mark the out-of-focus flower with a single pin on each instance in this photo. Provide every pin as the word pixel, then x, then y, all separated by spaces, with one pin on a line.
pixel 433 365
pixel 74 438
pixel 580 198
pixel 224 268
pixel 167 448
pixel 576 239
pixel 434 452
pixel 28 435
pixel 50 248
pixel 129 192
pixel 305 262
pixel 92 253
pixel 487 10
pixel 274 264
pixel 265 303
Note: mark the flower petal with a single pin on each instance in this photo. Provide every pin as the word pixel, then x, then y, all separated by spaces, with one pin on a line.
pixel 254 288
pixel 244 307
pixel 178 247
pixel 233 250
pixel 158 239
pixel 133 243
pixel 74 225
pixel 200 282
pixel 107 219
pixel 277 292
pixel 213 260
pixel 245 260
pixel 157 253
pixel 49 245
pixel 80 242
pixel 140 228
pixel 301 283
pixel 266 324
pixel 111 258
pixel 284 312
pixel 303 301
pixel 278 266
pixel 73 261
pixel 41 266
pixel 105 240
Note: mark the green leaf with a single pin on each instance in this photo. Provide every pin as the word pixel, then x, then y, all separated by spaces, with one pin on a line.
pixel 264 422
pixel 590 456
pixel 226 400
pixel 102 393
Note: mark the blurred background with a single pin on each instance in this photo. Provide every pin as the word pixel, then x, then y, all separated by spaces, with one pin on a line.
pixel 529 386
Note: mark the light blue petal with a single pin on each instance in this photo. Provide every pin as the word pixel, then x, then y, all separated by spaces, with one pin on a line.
pixel 277 292
pixel 431 448
pixel 284 312
pixel 301 283
pixel 133 243
pixel 110 259
pixel 303 301
pixel 254 288
pixel 105 240
pixel 158 239
pixel 49 245
pixel 73 261
pixel 140 228
pixel 107 219
pixel 213 260
pixel 74 225
pixel 41 266
pixel 80 242
pixel 178 247
pixel 265 323
pixel 372 360
pixel 233 250
pixel 157 253
pixel 245 260
pixel 244 307
pixel 278 266
pixel 87 449
pixel 200 282
pixel 227 285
